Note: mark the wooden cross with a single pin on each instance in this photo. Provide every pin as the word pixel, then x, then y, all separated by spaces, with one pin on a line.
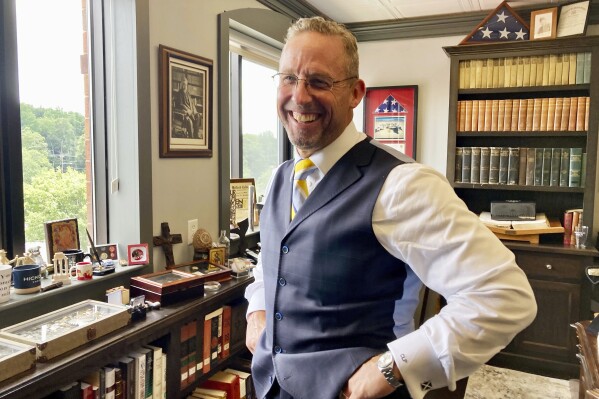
pixel 166 241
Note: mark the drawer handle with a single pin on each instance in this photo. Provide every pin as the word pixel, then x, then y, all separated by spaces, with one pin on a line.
pixel 549 267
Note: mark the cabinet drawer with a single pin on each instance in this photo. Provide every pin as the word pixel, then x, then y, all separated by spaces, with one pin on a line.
pixel 553 266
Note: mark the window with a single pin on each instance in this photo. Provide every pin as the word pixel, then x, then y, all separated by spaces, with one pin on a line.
pixel 48 169
pixel 257 136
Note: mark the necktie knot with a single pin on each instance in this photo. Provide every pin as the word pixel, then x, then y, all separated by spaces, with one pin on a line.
pixel 302 169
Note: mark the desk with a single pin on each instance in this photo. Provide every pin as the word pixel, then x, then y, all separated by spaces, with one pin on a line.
pixel 588 357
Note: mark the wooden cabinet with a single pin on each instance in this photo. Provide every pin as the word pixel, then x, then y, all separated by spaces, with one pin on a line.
pixel 556 271
pixel 562 292
pixel 163 326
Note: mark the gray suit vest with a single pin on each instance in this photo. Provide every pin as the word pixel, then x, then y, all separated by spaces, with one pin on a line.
pixel 330 286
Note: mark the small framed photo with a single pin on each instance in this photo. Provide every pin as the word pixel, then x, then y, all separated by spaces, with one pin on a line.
pixel 240 199
pixel 61 235
pixel 106 251
pixel 573 19
pixel 137 254
pixel 390 116
pixel 185 104
pixel 217 256
pixel 543 24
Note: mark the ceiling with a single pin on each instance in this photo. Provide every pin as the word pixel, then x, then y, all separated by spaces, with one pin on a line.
pixel 352 11
pixel 401 19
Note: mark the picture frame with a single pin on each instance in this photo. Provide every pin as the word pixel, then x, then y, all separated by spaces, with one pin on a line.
pixel 240 195
pixel 138 254
pixel 185 92
pixel 216 256
pixel 61 235
pixel 107 251
pixel 390 116
pixel 573 19
pixel 543 24
pixel 208 271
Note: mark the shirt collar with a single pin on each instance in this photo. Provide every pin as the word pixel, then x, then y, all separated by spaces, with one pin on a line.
pixel 328 156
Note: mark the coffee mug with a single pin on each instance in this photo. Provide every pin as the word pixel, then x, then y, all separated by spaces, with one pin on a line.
pixel 74 256
pixel 26 279
pixel 83 270
pixel 5 276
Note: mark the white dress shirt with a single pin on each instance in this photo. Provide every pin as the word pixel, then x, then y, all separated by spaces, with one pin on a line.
pixel 419 219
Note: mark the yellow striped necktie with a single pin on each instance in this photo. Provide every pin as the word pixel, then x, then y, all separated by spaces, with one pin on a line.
pixel 303 168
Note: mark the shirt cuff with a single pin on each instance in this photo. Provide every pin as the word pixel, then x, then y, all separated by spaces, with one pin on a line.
pixel 419 365
pixel 256 301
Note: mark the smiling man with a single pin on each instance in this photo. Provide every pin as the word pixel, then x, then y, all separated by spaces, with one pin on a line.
pixel 350 230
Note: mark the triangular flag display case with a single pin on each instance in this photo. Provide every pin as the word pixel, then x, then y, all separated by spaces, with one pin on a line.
pixel 513 107
pixel 501 25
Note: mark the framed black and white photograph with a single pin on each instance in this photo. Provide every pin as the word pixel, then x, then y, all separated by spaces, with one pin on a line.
pixel 185 104
pixel 543 24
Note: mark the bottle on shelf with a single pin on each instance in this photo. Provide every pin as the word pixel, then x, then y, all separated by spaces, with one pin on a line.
pixel 223 241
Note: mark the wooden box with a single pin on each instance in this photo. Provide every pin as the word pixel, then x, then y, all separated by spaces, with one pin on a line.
pixel 168 286
pixel 62 330
pixel 15 358
pixel 208 271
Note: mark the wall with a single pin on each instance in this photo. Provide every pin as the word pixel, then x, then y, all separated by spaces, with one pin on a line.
pixel 187 188
pixel 419 62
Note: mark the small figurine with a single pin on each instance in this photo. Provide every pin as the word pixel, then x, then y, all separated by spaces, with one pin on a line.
pixel 61 269
pixel 3 258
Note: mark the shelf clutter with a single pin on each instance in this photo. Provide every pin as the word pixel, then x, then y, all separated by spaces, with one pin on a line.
pixel 522 230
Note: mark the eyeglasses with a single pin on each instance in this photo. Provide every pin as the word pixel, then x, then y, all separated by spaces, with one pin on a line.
pixel 315 82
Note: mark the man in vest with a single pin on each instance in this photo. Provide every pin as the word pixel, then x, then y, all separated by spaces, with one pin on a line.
pixel 350 230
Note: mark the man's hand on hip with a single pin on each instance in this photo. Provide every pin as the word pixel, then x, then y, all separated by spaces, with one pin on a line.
pixel 256 324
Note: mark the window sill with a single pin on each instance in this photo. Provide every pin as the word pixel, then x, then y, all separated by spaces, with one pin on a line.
pixel 27 306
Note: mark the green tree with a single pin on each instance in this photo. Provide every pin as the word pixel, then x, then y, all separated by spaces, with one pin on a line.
pixel 53 195
pixel 35 154
pixel 260 157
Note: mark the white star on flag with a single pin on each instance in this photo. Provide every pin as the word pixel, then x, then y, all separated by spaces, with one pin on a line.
pixel 487 32
pixel 504 33
pixel 501 17
pixel 520 35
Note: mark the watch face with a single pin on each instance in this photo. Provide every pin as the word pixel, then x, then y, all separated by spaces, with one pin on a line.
pixel 385 360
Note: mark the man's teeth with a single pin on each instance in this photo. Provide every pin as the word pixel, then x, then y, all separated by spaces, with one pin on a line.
pixel 304 117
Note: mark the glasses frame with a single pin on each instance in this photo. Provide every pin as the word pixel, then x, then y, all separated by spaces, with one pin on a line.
pixel 307 81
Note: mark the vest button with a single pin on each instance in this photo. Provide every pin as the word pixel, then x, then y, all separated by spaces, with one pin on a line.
pixel 279 316
pixel 282 281
pixel 278 349
pixel 285 249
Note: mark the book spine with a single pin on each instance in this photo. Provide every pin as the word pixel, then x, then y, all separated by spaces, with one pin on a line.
pixel 522 166
pixel 526 71
pixel 556 157
pixel 522 111
pixel 504 157
pixel 564 168
pixel 494 115
pixel 572 69
pixel 579 68
pixel 480 121
pixel 538 166
pixel 459 157
pixel 513 165
pixel 565 114
pixel 546 67
pixel 206 345
pixel 520 71
pixel 184 353
pixel 552 68
pixel 557 115
pixel 507 69
pixel 580 113
pixel 475 165
pixel 485 159
pixel 539 79
pixel 507 119
pixel 546 169
pixel 501 116
pixel 544 114
pixel 536 114
pixel 515 115
pixel 565 69
pixel 488 118
pixel 583 170
pixel 474 116
pixel 567 228
pixel 467 115
pixel 530 166
pixel 551 113
pixel 226 335
pixel 494 165
pixel 461 116
pixel 461 74
pixel 467 160
pixel 587 68
pixel 558 69
pixel 495 79
pixel 575 167
pixel 534 61
pixel 191 357
pixel 572 114
pixel 501 73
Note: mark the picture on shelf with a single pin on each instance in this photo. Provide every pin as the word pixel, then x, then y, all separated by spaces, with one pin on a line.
pixel 106 251
pixel 543 24
pixel 61 235
pixel 573 19
pixel 138 254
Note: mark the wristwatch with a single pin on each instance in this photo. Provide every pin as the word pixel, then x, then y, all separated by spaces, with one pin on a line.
pixel 385 365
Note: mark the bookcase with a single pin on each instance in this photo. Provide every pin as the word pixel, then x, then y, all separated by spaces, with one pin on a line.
pixel 167 326
pixel 520 107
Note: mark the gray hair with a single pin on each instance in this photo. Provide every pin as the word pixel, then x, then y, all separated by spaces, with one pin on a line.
pixel 330 28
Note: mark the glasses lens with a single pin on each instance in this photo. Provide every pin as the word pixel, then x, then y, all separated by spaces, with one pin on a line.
pixel 320 82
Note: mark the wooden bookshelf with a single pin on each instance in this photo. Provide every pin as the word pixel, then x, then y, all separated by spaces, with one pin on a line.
pixel 161 325
pixel 556 272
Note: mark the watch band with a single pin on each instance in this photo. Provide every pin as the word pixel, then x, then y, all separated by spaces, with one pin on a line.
pixel 385 365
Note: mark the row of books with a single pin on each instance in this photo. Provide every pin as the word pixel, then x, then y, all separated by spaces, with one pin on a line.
pixel 525 71
pixel 524 166
pixel 572 218
pixel 141 374
pixel 230 383
pixel 525 114
pixel 206 341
